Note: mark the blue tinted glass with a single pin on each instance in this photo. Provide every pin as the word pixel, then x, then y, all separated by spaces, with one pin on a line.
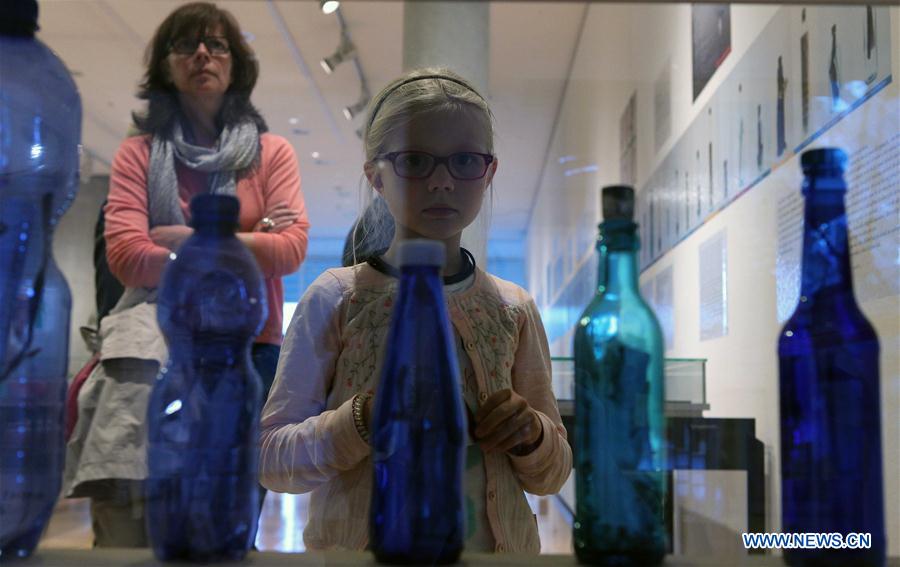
pixel 418 431
pixel 203 413
pixel 829 389
pixel 40 121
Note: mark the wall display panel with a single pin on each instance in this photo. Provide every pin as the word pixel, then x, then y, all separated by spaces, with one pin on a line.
pixel 711 193
pixel 645 213
pixel 808 69
pixel 628 142
pixel 659 293
pixel 714 287
pixel 662 106
pixel 663 305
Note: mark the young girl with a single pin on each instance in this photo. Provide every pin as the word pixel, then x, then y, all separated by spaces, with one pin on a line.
pixel 429 151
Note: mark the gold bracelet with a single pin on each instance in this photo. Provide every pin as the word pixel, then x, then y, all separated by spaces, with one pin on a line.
pixel 357 410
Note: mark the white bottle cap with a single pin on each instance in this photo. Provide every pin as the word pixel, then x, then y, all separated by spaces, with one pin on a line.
pixel 421 252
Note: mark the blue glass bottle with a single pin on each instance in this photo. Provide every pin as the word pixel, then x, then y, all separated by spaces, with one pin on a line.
pixel 831 475
pixel 40 129
pixel 203 413
pixel 620 482
pixel 418 429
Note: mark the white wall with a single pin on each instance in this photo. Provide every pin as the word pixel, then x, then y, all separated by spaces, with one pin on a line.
pixel 623 49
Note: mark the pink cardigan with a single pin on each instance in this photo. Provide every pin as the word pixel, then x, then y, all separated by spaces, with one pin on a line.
pixel 138 262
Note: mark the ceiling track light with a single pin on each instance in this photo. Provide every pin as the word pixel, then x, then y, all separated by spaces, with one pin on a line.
pixel 346 50
pixel 329 6
pixel 360 105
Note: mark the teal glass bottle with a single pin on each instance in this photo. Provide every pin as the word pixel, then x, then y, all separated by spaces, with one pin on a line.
pixel 620 482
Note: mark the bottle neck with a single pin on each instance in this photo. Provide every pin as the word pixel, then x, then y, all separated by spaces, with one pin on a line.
pixel 826 251
pixel 415 272
pixel 617 272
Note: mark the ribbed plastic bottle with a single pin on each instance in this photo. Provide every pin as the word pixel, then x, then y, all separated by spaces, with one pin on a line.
pixel 831 468
pixel 40 130
pixel 620 482
pixel 418 430
pixel 203 414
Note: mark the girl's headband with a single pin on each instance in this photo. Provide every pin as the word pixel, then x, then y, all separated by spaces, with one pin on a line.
pixel 413 79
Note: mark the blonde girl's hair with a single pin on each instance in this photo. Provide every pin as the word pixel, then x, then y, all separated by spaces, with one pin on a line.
pixel 417 92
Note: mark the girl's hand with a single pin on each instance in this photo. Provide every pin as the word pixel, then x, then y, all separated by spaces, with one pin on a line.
pixel 505 422
pixel 277 218
pixel 170 237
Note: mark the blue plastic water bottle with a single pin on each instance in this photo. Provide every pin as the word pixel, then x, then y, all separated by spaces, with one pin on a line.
pixel 419 426
pixel 40 129
pixel 620 482
pixel 831 475
pixel 203 414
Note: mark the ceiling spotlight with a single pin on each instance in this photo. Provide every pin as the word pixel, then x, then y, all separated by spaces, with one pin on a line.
pixel 329 6
pixel 357 107
pixel 346 50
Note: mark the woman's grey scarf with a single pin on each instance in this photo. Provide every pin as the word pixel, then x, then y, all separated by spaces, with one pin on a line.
pixel 237 149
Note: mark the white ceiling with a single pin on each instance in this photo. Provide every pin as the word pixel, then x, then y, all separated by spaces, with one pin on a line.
pixel 103 41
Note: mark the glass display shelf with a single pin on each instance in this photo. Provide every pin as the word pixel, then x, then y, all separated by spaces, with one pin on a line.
pixel 685 380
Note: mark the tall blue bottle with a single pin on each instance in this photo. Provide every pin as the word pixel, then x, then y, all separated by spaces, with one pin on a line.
pixel 203 414
pixel 419 425
pixel 620 482
pixel 40 129
pixel 831 475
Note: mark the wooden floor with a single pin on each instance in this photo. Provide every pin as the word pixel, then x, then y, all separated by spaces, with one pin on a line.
pixel 282 521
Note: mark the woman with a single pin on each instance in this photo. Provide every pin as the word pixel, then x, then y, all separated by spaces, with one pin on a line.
pixel 200 133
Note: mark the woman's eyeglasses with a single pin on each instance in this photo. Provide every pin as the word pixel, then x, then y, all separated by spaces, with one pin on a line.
pixel 464 166
pixel 188 45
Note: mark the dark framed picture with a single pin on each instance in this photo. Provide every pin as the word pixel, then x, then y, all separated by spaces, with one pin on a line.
pixel 710 41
